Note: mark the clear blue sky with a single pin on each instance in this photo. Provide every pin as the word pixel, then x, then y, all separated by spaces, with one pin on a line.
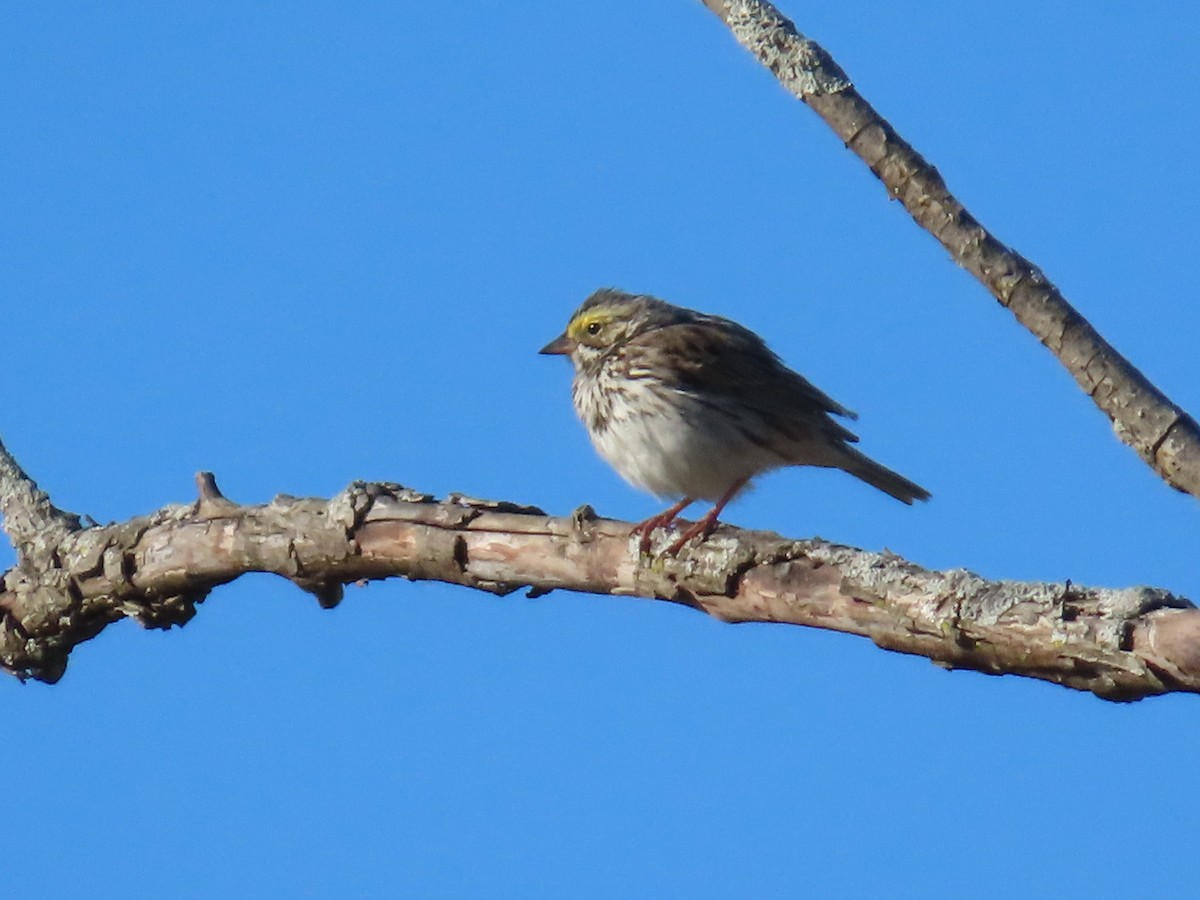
pixel 300 244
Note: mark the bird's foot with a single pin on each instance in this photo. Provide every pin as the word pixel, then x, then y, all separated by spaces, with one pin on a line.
pixel 662 520
pixel 700 529
pixel 646 528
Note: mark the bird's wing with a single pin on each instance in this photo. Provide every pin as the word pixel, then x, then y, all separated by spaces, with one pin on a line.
pixel 721 359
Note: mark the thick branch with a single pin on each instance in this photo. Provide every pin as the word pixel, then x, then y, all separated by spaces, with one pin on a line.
pixel 1165 436
pixel 1119 644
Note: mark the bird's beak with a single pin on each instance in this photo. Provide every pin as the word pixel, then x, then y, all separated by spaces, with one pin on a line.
pixel 560 346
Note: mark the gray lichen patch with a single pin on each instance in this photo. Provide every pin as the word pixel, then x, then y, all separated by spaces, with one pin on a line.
pixel 799 63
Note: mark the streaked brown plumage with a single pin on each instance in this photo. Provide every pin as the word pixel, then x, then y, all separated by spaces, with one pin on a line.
pixel 693 406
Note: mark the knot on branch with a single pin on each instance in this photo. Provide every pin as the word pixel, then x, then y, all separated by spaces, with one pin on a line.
pixel 328 593
pixel 162 612
pixel 349 509
pixel 211 503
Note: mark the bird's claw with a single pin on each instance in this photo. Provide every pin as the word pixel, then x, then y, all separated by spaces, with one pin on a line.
pixel 661 520
pixel 646 530
pixel 700 530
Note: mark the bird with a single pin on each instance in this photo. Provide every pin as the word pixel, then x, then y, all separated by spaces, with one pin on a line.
pixel 690 406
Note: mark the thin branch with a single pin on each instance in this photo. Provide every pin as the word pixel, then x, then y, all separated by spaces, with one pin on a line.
pixel 1119 644
pixel 1165 436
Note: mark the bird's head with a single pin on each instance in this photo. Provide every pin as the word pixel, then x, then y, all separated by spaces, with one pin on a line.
pixel 608 319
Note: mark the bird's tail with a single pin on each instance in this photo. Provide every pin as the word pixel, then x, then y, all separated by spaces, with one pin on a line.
pixel 878 476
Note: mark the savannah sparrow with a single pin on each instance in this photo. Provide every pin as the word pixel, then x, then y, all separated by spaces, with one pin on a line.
pixel 693 406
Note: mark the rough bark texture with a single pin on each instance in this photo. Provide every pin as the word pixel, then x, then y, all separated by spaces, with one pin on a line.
pixel 32 522
pixel 1119 644
pixel 1165 436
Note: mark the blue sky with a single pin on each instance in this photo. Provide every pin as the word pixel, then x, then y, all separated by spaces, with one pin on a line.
pixel 300 244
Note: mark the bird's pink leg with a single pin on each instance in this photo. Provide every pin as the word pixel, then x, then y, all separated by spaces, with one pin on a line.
pixel 664 518
pixel 702 528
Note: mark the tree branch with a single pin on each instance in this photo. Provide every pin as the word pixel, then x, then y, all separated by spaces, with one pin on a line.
pixel 31 521
pixel 1165 436
pixel 1119 644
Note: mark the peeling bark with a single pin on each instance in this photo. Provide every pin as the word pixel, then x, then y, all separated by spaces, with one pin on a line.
pixel 1161 433
pixel 1118 644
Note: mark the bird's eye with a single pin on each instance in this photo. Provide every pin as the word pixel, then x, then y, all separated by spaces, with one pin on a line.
pixel 593 328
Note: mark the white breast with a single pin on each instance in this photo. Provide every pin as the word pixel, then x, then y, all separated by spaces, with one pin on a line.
pixel 672 448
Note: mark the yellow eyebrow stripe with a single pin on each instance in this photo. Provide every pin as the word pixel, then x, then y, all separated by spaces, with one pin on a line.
pixel 578 327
